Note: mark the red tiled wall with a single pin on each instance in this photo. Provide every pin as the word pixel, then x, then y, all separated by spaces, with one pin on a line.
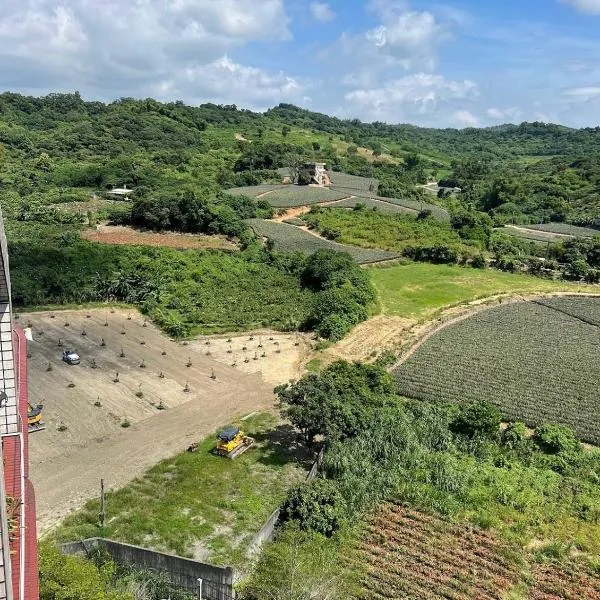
pixel 11 452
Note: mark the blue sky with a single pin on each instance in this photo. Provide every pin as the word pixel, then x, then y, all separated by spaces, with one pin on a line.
pixel 451 63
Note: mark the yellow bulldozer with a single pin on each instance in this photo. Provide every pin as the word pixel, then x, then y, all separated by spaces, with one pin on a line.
pixel 35 420
pixel 231 442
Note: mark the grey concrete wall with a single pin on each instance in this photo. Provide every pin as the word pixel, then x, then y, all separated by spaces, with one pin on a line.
pixel 267 530
pixel 183 572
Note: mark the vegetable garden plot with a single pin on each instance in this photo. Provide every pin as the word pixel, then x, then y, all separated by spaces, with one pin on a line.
pixel 288 238
pixel 535 363
pixel 565 228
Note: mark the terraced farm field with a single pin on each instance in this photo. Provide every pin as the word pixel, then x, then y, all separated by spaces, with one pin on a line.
pixel 534 361
pixel 368 203
pixel 354 182
pixel 289 196
pixel 289 238
pixel 411 555
pixel 566 229
pixel 252 191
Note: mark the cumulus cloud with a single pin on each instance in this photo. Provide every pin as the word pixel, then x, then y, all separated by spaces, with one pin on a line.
pixel 464 118
pixel 586 6
pixel 321 11
pixel 121 47
pixel 403 38
pixel 226 81
pixel 413 95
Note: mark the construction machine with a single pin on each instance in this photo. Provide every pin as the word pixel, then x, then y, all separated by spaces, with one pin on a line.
pixel 232 442
pixel 35 420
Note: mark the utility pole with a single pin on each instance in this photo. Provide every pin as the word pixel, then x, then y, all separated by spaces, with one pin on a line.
pixel 101 516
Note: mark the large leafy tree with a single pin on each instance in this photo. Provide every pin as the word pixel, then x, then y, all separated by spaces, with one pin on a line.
pixel 337 402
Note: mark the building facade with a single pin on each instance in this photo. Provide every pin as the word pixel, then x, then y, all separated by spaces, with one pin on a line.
pixel 18 539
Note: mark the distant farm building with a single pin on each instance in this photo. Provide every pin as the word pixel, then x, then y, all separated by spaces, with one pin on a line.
pixel 318 173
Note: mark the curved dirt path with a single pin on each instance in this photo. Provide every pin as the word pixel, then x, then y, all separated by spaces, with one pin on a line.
pixel 405 336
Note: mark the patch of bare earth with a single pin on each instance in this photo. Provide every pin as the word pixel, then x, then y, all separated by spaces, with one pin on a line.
pixel 129 372
pixel 276 357
pixel 370 338
pixel 120 235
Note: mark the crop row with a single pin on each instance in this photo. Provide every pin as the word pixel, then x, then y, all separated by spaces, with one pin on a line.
pixel 288 238
pixel 403 555
pixel 567 229
pixel 537 364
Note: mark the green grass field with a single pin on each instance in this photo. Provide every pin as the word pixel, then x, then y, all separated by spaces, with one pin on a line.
pixel 197 504
pixel 418 290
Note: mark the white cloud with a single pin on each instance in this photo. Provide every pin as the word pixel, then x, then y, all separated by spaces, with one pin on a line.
pixel 124 45
pixel 586 6
pixel 464 118
pixel 403 38
pixel 321 11
pixel 507 114
pixel 413 95
pixel 226 81
pixel 583 94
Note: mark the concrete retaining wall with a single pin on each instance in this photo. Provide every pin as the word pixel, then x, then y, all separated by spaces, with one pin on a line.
pixel 217 582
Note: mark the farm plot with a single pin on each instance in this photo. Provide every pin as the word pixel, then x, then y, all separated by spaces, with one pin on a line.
pixel 531 235
pixel 566 229
pixel 368 203
pixel 289 238
pixel 576 306
pixel 354 182
pixel 100 424
pixel 437 211
pixel 411 555
pixel 303 195
pixel 537 364
pixel 110 234
pixel 252 191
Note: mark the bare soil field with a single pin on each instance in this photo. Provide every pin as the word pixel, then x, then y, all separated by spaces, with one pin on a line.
pixel 278 357
pixel 113 234
pixel 85 408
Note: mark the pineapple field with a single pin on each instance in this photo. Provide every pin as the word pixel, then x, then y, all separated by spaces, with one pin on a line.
pixel 536 361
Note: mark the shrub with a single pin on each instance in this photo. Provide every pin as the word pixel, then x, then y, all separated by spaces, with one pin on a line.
pixel 556 439
pixel 477 418
pixel 514 435
pixel 316 506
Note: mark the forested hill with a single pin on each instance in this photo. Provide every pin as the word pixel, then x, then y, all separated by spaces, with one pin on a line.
pixel 58 148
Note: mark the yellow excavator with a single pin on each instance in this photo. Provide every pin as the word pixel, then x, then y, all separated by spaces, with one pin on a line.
pixel 232 442
pixel 35 420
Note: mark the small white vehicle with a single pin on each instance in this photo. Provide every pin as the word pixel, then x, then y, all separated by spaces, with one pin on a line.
pixel 71 357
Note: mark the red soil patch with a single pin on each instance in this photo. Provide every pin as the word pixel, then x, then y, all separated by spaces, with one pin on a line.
pixel 408 554
pixel 108 234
